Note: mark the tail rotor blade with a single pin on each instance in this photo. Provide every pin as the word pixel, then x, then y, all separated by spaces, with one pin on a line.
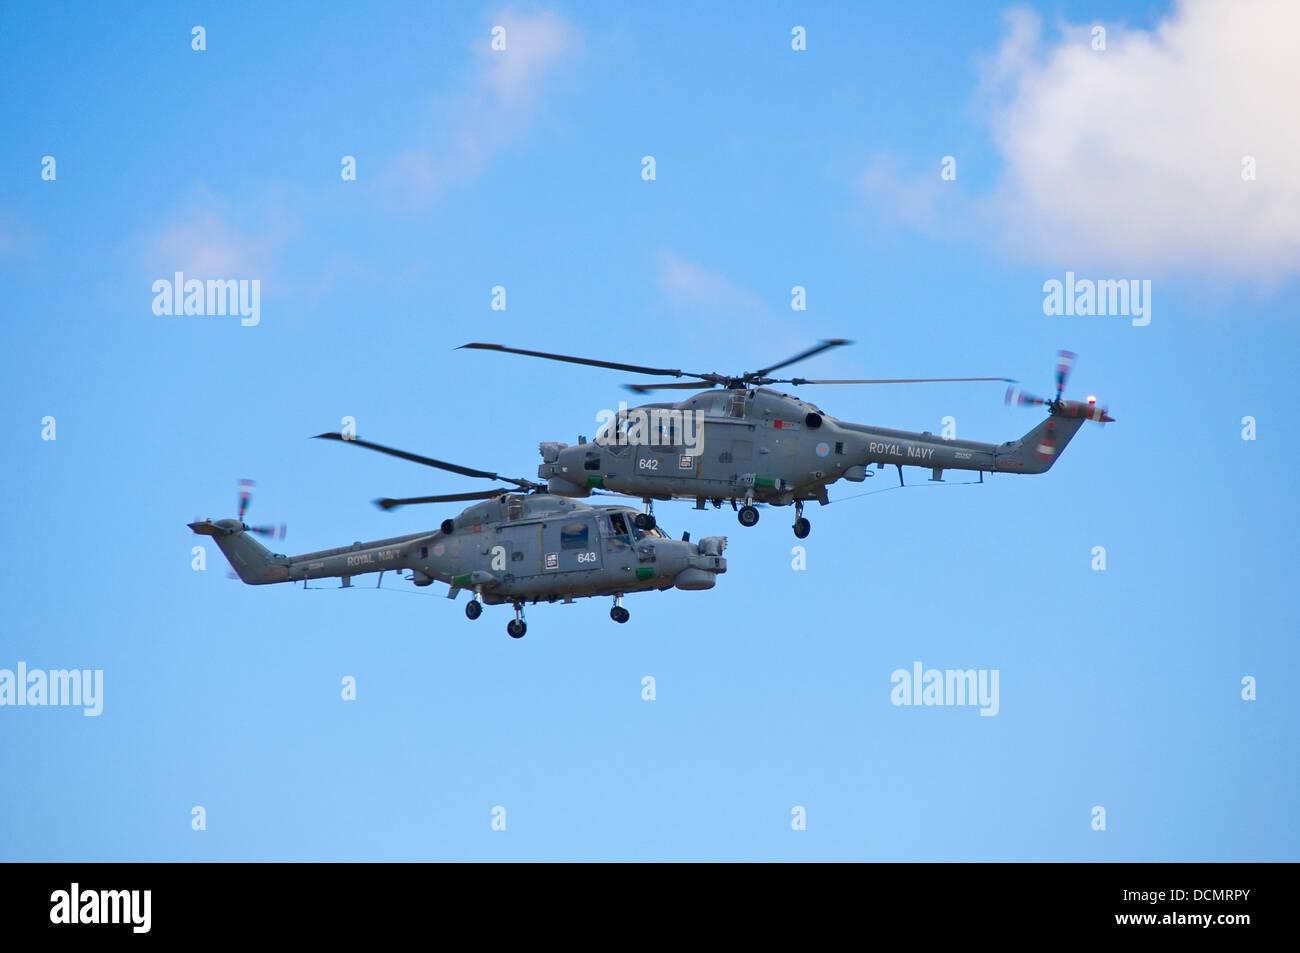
pixel 1064 364
pixel 245 493
pixel 1018 398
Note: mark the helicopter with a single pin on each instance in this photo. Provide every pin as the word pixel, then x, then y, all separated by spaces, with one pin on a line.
pixel 518 544
pixel 748 444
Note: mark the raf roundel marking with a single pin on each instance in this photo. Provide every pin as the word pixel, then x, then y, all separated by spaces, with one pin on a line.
pixel 823 449
pixel 439 549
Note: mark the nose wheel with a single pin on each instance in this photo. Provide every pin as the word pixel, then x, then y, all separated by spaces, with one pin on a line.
pixel 516 627
pixel 748 515
pixel 618 613
pixel 473 609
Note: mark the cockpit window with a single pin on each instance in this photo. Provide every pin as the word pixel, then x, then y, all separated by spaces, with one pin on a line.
pixel 617 524
pixel 613 432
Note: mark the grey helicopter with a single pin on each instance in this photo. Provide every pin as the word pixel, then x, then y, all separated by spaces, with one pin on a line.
pixel 748 444
pixel 520 544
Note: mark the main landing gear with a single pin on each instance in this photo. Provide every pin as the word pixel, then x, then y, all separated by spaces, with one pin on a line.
pixel 474 608
pixel 748 514
pixel 801 526
pixel 517 627
pixel 618 613
pixel 646 519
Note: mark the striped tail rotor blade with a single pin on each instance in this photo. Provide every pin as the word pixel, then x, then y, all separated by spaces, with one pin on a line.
pixel 1018 398
pixel 1064 364
pixel 245 492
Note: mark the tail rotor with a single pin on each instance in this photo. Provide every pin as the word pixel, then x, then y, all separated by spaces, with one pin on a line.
pixel 1058 406
pixel 271 531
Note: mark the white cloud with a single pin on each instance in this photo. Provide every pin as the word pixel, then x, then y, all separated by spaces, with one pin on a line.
pixel 16 238
pixel 495 110
pixel 1133 155
pixel 690 287
pixel 208 240
pixel 900 197
pixel 1131 158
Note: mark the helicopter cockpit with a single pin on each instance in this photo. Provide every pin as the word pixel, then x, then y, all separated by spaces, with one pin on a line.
pixel 621 531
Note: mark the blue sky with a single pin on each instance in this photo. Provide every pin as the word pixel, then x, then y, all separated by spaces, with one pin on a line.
pixel 774 168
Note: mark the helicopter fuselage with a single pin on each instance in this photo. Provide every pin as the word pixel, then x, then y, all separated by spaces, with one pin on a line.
pixel 759 445
pixel 510 549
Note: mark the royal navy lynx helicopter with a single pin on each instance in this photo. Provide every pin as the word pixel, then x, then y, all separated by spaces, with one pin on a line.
pixel 520 544
pixel 749 444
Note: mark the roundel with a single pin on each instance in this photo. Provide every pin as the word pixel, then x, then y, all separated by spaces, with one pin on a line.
pixel 823 449
pixel 439 549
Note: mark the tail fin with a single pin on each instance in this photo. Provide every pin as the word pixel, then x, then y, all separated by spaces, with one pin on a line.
pixel 1037 450
pixel 255 564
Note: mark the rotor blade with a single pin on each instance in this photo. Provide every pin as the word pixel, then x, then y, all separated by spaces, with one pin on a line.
pixel 803 355
pixel 416 458
pixel 1064 364
pixel 390 504
pixel 897 380
pixel 590 362
pixel 245 491
pixel 678 385
pixel 272 532
pixel 1019 398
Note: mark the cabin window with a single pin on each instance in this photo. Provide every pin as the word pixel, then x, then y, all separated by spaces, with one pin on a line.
pixel 617 524
pixel 514 507
pixel 573 536
pixel 839 447
pixel 736 405
pixel 592 462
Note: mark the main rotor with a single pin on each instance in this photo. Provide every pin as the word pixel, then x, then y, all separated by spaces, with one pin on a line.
pixel 758 378
pixel 518 484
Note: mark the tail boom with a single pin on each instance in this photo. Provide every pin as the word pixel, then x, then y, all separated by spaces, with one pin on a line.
pixel 1035 452
pixel 258 566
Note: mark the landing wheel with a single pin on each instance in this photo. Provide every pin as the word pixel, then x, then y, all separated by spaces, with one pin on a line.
pixel 516 628
pixel 473 609
pixel 644 521
pixel 619 614
pixel 748 515
pixel 802 528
